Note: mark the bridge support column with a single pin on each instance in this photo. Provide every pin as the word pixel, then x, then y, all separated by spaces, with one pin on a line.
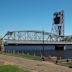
pixel 1 45
pixel 59 47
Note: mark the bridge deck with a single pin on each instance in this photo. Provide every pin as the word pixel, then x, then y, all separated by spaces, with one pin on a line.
pixel 34 42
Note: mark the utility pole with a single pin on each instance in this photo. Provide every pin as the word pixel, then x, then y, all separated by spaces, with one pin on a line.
pixel 43 48
pixel 43 43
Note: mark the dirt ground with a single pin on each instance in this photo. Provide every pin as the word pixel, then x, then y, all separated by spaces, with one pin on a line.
pixel 34 66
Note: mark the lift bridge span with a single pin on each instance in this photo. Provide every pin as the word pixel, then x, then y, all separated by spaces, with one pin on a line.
pixel 35 37
pixel 37 42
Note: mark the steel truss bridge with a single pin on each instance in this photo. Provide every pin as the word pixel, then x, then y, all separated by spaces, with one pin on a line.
pixel 36 37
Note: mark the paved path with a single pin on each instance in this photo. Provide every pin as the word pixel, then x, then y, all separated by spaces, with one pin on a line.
pixel 35 66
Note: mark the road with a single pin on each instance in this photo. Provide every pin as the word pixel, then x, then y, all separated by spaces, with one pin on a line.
pixel 34 66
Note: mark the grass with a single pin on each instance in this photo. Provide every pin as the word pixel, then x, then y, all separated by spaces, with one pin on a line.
pixel 68 64
pixel 65 63
pixel 11 68
pixel 28 56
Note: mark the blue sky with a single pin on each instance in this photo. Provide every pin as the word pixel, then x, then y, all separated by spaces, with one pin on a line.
pixel 33 15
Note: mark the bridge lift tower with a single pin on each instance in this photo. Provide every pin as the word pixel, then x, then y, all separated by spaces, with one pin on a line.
pixel 58 27
pixel 58 23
